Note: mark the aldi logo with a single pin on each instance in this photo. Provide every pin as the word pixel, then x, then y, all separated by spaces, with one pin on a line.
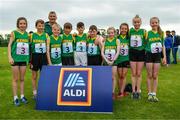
pixel 75 87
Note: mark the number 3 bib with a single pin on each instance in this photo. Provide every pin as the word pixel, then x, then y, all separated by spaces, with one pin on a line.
pixel 136 41
pixel 92 49
pixel 22 49
pixel 156 47
pixel 81 47
pixel 40 48
pixel 55 53
pixel 124 50
pixel 67 47
pixel 110 53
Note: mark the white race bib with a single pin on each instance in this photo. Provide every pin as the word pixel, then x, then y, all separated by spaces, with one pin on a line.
pixel 156 47
pixel 110 53
pixel 136 41
pixel 124 50
pixel 55 53
pixel 81 46
pixel 92 49
pixel 67 47
pixel 22 48
pixel 40 48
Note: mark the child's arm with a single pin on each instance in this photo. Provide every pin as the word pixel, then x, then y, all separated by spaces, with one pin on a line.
pixel 99 41
pixel 164 56
pixel 163 51
pixel 118 50
pixel 11 61
pixel 48 51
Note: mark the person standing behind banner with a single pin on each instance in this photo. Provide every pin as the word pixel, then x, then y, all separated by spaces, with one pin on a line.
pixel 123 58
pixel 175 47
pixel 52 20
pixel 18 55
pixel 110 52
pixel 67 45
pixel 94 44
pixel 136 55
pixel 39 47
pixel 80 53
pixel 55 46
pixel 168 46
pixel 155 50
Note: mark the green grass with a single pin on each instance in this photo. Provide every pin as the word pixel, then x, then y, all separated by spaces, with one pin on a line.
pixel 167 108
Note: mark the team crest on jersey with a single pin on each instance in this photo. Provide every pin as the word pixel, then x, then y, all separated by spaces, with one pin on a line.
pixel 75 87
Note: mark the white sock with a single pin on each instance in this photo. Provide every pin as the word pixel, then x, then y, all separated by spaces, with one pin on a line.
pixel 22 96
pixel 34 92
pixel 153 93
pixel 15 97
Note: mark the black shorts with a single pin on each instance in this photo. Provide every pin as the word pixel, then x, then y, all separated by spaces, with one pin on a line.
pixel 38 60
pixel 124 64
pixel 95 60
pixel 19 64
pixel 153 57
pixel 137 55
pixel 68 60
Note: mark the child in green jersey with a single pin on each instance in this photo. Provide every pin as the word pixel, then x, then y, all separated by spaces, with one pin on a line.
pixel 110 52
pixel 67 45
pixel 123 58
pixel 39 47
pixel 94 45
pixel 18 54
pixel 154 51
pixel 55 46
pixel 136 55
pixel 80 54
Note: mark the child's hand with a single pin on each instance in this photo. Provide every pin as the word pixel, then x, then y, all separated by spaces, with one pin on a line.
pixel 164 61
pixel 110 62
pixel 74 34
pixel 30 65
pixel 11 61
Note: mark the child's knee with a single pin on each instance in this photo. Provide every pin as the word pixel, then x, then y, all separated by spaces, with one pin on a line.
pixel 15 79
pixel 22 80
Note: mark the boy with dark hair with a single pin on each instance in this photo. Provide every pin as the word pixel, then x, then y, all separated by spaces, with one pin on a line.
pixel 80 54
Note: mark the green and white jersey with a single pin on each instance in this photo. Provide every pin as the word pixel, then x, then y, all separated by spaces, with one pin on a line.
pixel 20 47
pixel 92 48
pixel 137 38
pixel 55 49
pixel 67 45
pixel 80 43
pixel 38 42
pixel 110 48
pixel 124 49
pixel 155 42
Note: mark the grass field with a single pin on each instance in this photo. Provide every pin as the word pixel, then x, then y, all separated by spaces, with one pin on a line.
pixel 167 108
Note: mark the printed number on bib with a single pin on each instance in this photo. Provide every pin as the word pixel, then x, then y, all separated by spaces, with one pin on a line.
pixel 67 47
pixel 55 53
pixel 156 47
pixel 22 49
pixel 80 46
pixel 136 41
pixel 124 50
pixel 92 49
pixel 110 53
pixel 40 48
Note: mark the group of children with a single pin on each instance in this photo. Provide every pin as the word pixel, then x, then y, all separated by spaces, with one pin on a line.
pixel 128 48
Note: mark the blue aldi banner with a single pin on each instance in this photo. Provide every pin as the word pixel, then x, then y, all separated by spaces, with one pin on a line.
pixel 85 89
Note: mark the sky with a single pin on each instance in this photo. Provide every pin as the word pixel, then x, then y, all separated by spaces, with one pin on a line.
pixel 103 13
